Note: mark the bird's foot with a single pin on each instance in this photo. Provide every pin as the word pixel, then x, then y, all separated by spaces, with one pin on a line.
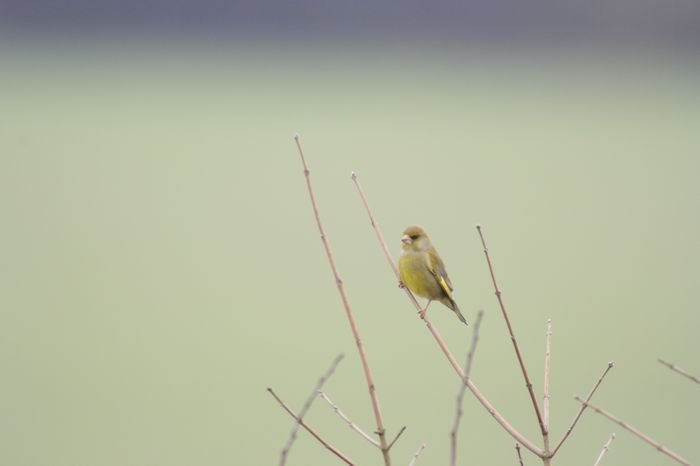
pixel 401 284
pixel 422 312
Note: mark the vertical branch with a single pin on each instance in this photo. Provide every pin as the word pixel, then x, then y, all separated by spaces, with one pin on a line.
pixel 328 446
pixel 462 389
pixel 646 438
pixel 583 407
pixel 545 386
pixel 528 384
pixel 381 431
pixel 310 399
pixel 605 449
pixel 438 338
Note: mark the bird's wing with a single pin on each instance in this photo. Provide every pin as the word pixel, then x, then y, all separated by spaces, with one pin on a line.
pixel 437 268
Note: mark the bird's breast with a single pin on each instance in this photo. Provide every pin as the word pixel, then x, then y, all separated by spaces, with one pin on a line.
pixel 415 274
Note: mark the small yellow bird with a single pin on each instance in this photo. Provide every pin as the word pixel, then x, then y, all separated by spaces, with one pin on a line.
pixel 423 272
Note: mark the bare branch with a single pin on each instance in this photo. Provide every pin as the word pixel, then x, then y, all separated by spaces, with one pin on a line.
pixel 605 449
pixel 472 348
pixel 376 228
pixel 520 458
pixel 350 424
pixel 545 386
pixel 381 431
pixel 680 371
pixel 391 444
pixel 310 399
pixel 639 434
pixel 415 456
pixel 331 448
pixel 547 364
pixel 583 407
pixel 462 389
pixel 528 384
pixel 438 338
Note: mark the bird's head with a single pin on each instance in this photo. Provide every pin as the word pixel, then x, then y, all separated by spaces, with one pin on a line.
pixel 415 239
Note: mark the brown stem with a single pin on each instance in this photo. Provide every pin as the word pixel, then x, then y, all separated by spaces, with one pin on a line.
pixel 462 389
pixel 583 407
pixel 680 371
pixel 307 404
pixel 520 458
pixel 376 228
pixel 438 338
pixel 639 434
pixel 605 449
pixel 331 448
pixel 381 431
pixel 528 384
pixel 391 444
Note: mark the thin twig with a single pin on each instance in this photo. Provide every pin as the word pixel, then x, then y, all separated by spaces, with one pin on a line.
pixel 310 399
pixel 680 371
pixel 350 424
pixel 583 407
pixel 462 389
pixel 528 384
pixel 472 348
pixel 520 458
pixel 605 449
pixel 381 431
pixel 545 386
pixel 331 448
pixel 639 434
pixel 376 228
pixel 415 456
pixel 438 338
pixel 391 444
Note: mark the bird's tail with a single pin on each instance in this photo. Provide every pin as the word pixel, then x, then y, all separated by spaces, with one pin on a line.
pixel 453 305
pixel 461 317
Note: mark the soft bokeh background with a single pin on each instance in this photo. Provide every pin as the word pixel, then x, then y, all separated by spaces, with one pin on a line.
pixel 160 266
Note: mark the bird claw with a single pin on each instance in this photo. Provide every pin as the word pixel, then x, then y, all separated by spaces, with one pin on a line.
pixel 421 313
pixel 401 284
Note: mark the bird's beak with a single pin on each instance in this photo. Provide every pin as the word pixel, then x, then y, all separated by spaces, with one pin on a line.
pixel 405 239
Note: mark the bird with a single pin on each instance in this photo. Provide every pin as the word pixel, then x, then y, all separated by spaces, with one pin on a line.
pixel 423 272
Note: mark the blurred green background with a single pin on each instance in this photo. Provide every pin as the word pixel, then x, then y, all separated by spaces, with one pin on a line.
pixel 161 266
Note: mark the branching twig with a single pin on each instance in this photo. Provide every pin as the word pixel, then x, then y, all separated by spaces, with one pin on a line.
pixel 545 386
pixel 639 434
pixel 331 448
pixel 381 431
pixel 305 408
pixel 583 407
pixel 350 424
pixel 462 389
pixel 605 449
pixel 438 338
pixel 528 384
pixel 415 456
pixel 520 458
pixel 391 444
pixel 680 371
pixel 309 430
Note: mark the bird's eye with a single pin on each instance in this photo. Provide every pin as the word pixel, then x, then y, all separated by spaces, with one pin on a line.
pixel 414 237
